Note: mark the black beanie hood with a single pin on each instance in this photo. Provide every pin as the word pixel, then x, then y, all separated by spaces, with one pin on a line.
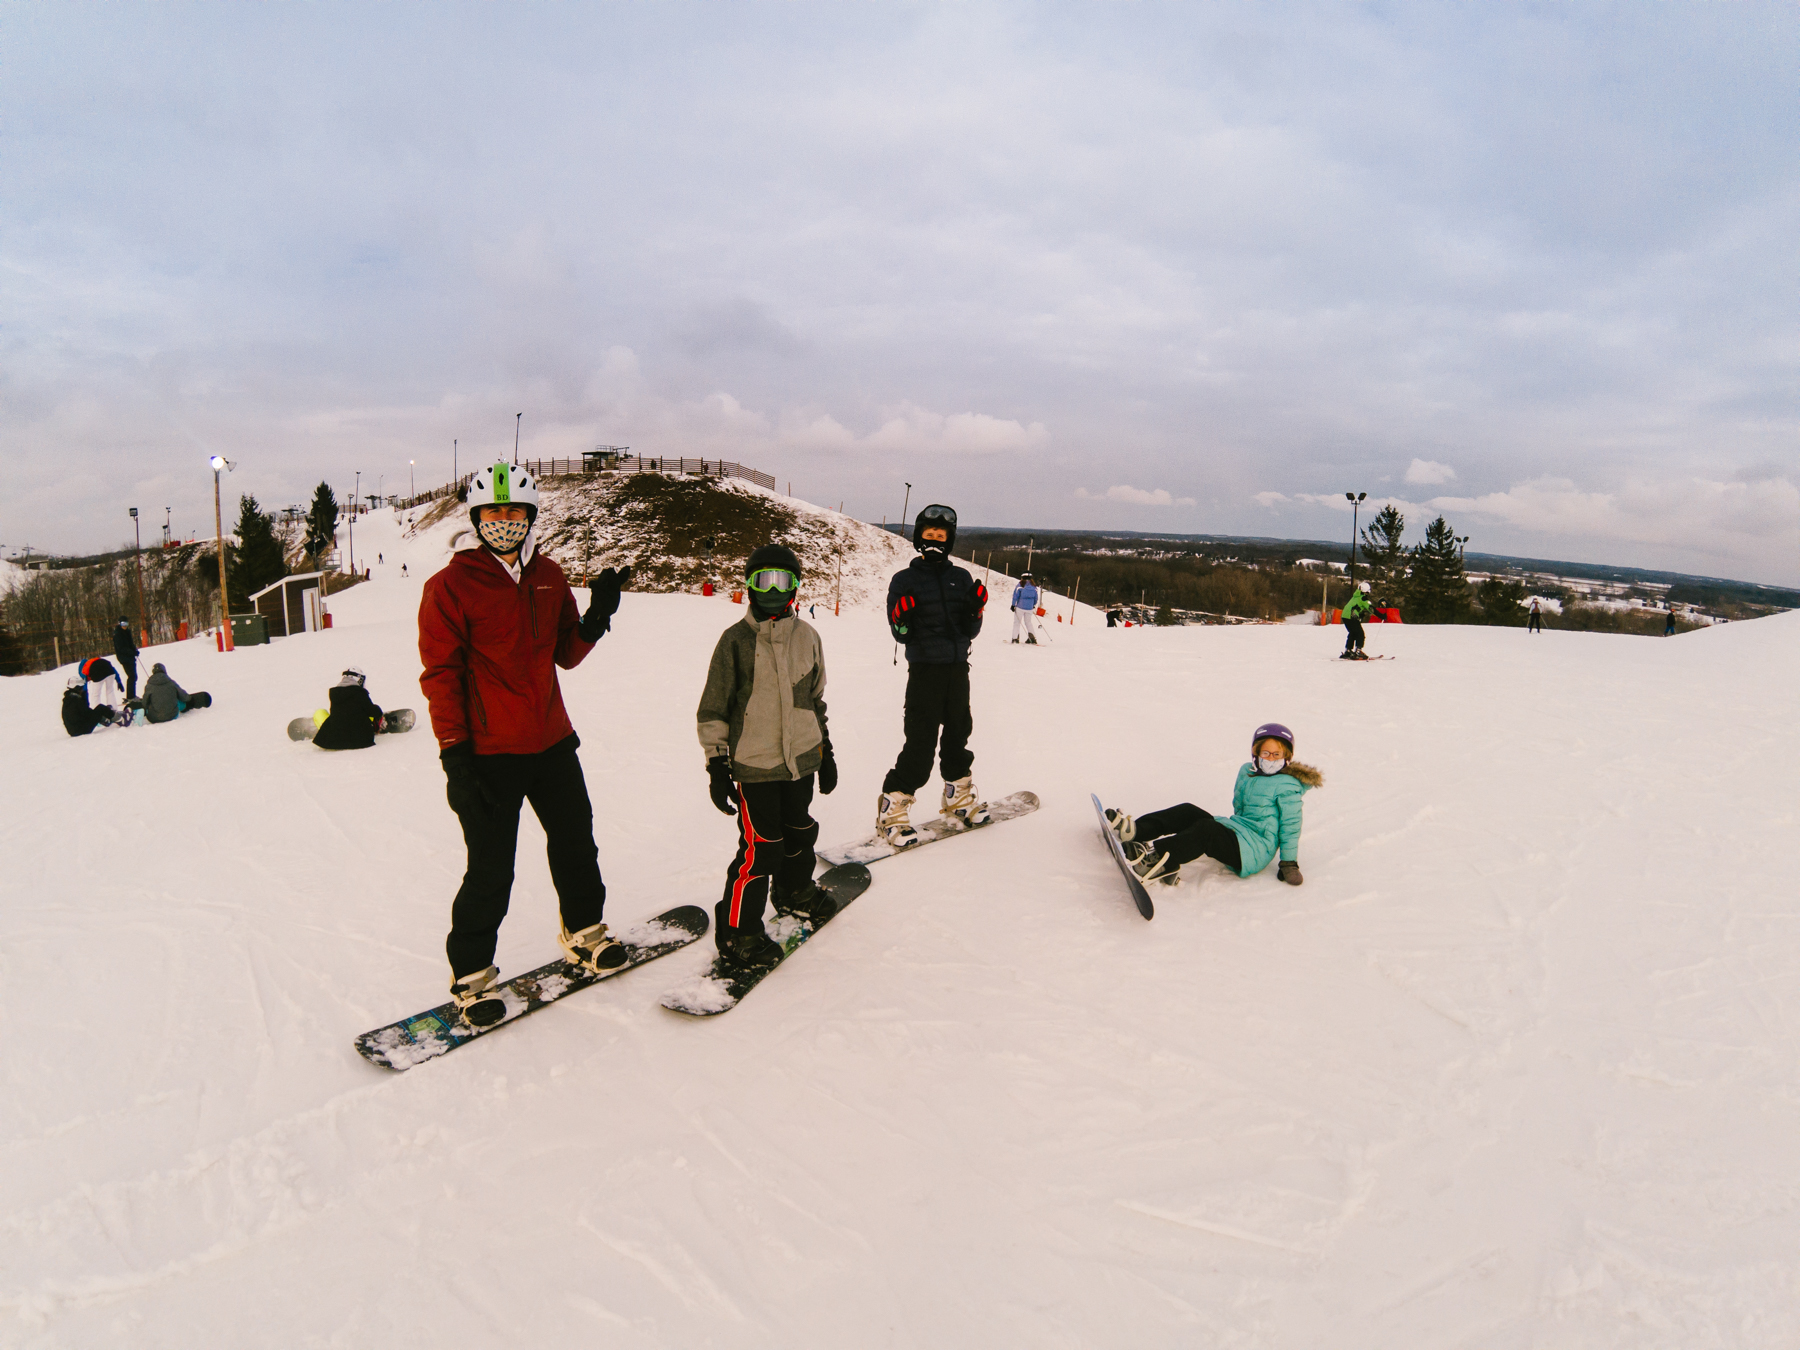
pixel 948 526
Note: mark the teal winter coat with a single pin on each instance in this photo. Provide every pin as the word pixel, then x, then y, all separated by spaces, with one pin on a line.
pixel 1265 814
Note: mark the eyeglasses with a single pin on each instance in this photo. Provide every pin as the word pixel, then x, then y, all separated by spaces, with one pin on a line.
pixel 773 579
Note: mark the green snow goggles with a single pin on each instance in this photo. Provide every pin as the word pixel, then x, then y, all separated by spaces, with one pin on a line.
pixel 772 579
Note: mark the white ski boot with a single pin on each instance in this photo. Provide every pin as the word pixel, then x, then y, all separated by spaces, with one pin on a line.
pixel 1122 825
pixel 961 803
pixel 893 819
pixel 592 949
pixel 477 998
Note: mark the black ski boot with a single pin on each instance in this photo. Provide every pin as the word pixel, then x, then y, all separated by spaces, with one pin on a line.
pixel 809 901
pixel 749 946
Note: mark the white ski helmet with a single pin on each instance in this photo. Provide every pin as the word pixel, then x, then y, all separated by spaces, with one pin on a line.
pixel 503 484
pixel 1363 586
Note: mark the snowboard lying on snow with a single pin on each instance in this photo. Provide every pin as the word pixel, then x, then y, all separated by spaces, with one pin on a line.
pixel 438 1031
pixel 392 723
pixel 1140 897
pixel 720 988
pixel 875 848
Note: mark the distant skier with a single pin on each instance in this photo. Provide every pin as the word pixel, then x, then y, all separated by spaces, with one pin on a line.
pixel 1355 609
pixel 1535 624
pixel 77 717
pixel 493 626
pixel 762 726
pixel 126 649
pixel 354 719
pixel 1024 610
pixel 1264 819
pixel 934 608
pixel 1669 624
pixel 102 679
pixel 164 700
pixel 403 569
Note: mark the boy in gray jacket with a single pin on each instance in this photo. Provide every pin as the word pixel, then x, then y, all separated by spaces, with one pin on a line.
pixel 762 726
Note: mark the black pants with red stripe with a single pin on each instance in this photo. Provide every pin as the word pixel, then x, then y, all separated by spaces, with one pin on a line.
pixel 776 834
pixel 552 782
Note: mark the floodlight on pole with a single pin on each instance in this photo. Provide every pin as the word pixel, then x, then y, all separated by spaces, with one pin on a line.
pixel 412 479
pixel 137 534
pixel 221 465
pixel 518 422
pixel 1355 499
pixel 903 508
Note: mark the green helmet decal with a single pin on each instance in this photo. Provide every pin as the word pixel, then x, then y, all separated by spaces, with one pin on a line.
pixel 502 487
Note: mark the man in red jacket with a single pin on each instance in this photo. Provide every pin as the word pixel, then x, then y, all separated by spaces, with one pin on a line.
pixel 493 627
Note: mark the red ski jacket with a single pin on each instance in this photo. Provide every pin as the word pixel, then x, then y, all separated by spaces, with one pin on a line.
pixel 491 646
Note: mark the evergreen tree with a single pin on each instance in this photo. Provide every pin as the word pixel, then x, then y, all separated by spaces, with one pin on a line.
pixel 1501 602
pixel 1383 554
pixel 321 524
pixel 1436 591
pixel 257 560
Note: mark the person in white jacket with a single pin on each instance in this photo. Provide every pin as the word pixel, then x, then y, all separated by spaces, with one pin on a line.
pixel 1025 599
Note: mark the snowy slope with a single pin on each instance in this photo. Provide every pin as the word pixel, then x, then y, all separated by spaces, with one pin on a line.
pixel 1516 1067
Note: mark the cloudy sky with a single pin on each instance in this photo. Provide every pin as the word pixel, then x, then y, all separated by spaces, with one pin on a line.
pixel 1176 267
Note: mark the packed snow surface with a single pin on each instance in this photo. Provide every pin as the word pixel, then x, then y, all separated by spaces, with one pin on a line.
pixel 1519 1065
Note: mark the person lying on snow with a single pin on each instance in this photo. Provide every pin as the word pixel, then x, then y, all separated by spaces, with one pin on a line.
pixel 353 720
pixel 1264 819
pixel 164 700
pixel 762 727
pixel 494 625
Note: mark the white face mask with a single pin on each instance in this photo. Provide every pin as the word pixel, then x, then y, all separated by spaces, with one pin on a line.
pixel 503 536
pixel 1268 766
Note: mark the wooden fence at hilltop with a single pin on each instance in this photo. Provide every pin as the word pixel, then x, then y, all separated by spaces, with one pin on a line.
pixel 588 465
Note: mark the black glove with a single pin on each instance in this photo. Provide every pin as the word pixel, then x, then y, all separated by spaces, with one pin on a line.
pixel 603 602
pixel 724 790
pixel 828 772
pixel 465 790
pixel 1289 872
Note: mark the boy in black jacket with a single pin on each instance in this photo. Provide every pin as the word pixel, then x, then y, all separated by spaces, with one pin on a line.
pixel 354 718
pixel 934 607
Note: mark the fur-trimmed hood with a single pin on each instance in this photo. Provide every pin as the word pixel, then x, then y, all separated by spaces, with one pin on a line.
pixel 1305 773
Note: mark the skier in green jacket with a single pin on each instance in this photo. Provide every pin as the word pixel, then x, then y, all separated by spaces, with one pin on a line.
pixel 1356 608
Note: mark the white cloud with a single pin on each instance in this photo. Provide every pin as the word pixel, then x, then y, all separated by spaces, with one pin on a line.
pixel 1269 498
pixel 912 428
pixel 1124 492
pixel 1429 471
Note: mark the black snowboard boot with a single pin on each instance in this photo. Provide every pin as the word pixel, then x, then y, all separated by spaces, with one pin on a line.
pixel 748 946
pixel 810 901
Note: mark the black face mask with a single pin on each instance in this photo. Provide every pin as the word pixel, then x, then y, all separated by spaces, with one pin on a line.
pixel 935 517
pixel 771 604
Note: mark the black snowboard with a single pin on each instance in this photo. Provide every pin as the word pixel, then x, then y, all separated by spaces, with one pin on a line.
pixel 720 988
pixel 438 1031
pixel 1139 895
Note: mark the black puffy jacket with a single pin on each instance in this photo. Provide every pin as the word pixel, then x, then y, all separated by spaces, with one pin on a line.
pixel 946 613
pixel 353 720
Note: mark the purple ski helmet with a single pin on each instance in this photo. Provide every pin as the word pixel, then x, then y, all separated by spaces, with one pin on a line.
pixel 1276 730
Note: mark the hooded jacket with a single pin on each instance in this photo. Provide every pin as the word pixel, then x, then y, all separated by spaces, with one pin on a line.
pixel 1265 814
pixel 124 646
pixel 491 645
pixel 160 696
pixel 946 614
pixel 764 703
pixel 353 721
pixel 78 719
pixel 1358 605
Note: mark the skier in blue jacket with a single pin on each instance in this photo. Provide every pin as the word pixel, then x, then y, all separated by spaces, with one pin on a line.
pixel 934 608
pixel 1024 608
pixel 1264 819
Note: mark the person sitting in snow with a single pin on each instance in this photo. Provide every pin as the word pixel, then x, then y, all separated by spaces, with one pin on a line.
pixel 494 625
pixel 1264 819
pixel 1024 609
pixel 762 726
pixel 353 720
pixel 164 700
pixel 78 718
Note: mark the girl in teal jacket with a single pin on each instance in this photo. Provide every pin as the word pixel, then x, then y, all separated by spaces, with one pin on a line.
pixel 1264 819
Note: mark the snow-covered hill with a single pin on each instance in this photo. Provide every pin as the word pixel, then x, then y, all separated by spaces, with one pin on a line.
pixel 1516 1067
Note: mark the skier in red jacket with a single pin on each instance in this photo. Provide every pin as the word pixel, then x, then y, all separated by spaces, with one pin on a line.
pixel 493 627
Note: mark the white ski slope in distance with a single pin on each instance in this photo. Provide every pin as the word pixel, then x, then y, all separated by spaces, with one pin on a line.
pixel 1517 1066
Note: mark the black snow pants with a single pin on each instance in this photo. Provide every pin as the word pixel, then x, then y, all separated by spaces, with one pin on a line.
pixel 1186 832
pixel 936 697
pixel 1536 625
pixel 776 835
pixel 552 782
pixel 1353 634
pixel 129 665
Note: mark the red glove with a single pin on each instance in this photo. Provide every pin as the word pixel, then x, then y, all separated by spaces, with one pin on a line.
pixel 980 597
pixel 897 615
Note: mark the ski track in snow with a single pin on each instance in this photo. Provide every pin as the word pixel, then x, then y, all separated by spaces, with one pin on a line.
pixel 1516 1067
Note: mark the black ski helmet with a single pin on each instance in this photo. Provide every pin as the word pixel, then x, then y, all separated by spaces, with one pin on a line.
pixel 772 555
pixel 939 517
pixel 772 603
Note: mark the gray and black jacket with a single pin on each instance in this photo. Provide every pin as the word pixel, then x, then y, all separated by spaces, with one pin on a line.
pixel 764 702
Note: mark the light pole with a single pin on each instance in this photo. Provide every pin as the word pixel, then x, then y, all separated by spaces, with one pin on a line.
pixel 412 479
pixel 517 423
pixel 219 465
pixel 137 533
pixel 1355 499
pixel 168 523
pixel 455 473
pixel 353 495
pixel 903 505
